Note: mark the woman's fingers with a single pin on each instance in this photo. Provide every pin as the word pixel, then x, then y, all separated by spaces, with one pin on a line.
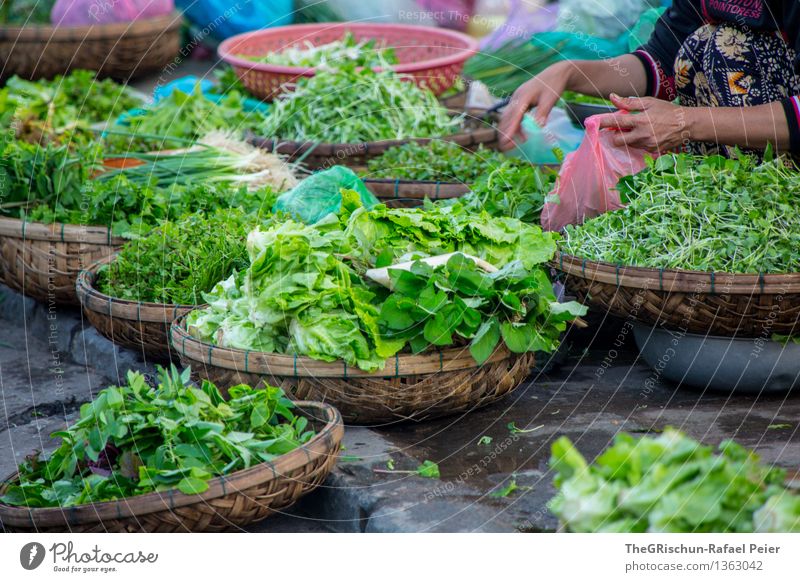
pixel 547 100
pixel 511 120
pixel 639 138
pixel 622 122
pixel 628 103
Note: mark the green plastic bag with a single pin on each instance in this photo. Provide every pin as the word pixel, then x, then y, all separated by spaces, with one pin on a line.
pixel 321 194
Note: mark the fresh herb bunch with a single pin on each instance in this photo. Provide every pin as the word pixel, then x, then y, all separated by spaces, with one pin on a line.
pixel 40 174
pixel 515 189
pixel 133 439
pixel 699 213
pixel 354 105
pixel 458 301
pixel 66 101
pixel 181 260
pixel 189 116
pixel 26 12
pixel 330 56
pixel 297 296
pixel 132 210
pixel 438 160
pixel 670 483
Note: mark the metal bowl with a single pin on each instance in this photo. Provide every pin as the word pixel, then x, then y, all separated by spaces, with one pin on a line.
pixel 732 365
pixel 578 112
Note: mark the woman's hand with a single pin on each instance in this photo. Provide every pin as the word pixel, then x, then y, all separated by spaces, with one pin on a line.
pixel 542 92
pixel 657 126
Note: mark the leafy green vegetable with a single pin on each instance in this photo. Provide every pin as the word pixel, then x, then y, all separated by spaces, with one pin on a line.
pixel 193 115
pixel 180 260
pixel 458 301
pixel 429 470
pixel 485 440
pixel 507 489
pixel 438 160
pixel 390 465
pixel 134 439
pixel 357 105
pixel 329 56
pixel 572 97
pixel 699 213
pixel 670 483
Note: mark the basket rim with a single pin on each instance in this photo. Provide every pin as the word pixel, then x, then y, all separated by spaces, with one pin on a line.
pixel 85 290
pixel 58 232
pixel 172 499
pixel 34 32
pixel 676 279
pixel 305 366
pixel 226 49
pixel 292 147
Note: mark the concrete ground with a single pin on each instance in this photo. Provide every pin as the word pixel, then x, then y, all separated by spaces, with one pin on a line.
pixel 46 374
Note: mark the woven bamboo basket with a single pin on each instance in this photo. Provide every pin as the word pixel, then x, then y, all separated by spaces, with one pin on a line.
pixel 477 130
pixel 411 387
pixel 234 500
pixel 140 326
pixel 120 50
pixel 407 193
pixel 43 261
pixel 721 304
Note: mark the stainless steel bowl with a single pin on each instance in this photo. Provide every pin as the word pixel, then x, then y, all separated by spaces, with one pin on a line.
pixel 743 365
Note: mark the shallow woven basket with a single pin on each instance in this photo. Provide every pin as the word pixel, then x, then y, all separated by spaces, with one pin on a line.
pixel 411 387
pixel 43 261
pixel 135 325
pixel 691 301
pixel 119 50
pixel 478 129
pixel 236 500
pixel 406 193
pixel 430 57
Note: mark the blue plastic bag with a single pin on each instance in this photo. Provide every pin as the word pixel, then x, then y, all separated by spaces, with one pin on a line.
pixel 548 144
pixel 220 20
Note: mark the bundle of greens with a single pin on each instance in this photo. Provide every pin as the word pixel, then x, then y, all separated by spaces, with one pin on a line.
pixel 190 116
pixel 514 188
pixel 438 160
pixel 354 105
pixel 386 235
pixel 330 56
pixel 66 102
pixel 133 439
pixel 297 296
pixel 670 483
pixel 181 260
pixel 699 213
pixel 219 159
pixel 440 305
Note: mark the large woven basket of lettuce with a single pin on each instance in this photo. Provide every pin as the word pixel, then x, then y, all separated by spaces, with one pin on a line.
pixel 340 311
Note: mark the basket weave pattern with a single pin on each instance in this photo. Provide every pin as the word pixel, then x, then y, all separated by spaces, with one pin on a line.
pixel 411 387
pixel 120 50
pixel 236 500
pixel 408 193
pixel 43 261
pixel 432 58
pixel 143 327
pixel 690 301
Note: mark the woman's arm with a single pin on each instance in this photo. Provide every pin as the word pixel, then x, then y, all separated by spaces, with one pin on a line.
pixel 660 126
pixel 625 74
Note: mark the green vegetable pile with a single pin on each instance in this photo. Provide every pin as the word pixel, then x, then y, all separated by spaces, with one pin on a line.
pixel 65 104
pixel 353 105
pixel 699 213
pixel 439 160
pixel 26 12
pixel 304 291
pixel 670 483
pixel 134 439
pixel 572 97
pixel 515 189
pixel 364 53
pixel 190 116
pixel 458 301
pixel 180 260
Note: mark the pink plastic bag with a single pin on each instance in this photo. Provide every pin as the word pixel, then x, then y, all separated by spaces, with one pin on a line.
pixel 586 182
pixel 87 12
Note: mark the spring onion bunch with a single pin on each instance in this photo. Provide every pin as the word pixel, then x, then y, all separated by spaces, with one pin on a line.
pixel 357 105
pixel 700 213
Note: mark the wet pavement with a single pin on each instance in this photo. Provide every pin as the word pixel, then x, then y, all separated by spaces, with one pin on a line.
pixel 598 390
